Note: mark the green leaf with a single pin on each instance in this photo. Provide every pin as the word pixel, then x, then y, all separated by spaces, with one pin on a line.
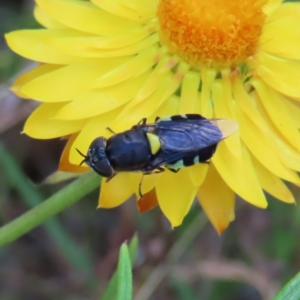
pixel 111 291
pixel 124 288
pixel 133 248
pixel 291 290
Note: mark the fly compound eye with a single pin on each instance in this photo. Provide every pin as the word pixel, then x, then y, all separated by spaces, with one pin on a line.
pixel 91 151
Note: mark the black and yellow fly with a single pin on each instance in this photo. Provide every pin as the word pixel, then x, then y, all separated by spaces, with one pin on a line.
pixel 170 142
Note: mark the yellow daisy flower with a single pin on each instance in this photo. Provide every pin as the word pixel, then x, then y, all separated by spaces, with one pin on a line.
pixel 112 63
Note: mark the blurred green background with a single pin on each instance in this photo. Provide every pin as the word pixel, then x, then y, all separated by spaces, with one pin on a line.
pixel 74 255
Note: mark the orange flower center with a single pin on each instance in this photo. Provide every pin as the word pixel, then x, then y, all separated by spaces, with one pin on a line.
pixel 211 32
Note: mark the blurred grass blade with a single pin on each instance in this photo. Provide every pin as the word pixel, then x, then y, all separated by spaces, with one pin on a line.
pixel 124 288
pixel 58 177
pixel 77 259
pixel 183 289
pixel 159 273
pixel 291 290
pixel 111 291
pixel 70 194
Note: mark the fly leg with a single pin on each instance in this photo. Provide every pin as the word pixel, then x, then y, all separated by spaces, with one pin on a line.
pixel 156 171
pixel 142 122
pixel 140 187
pixel 159 170
pixel 110 130
pixel 173 170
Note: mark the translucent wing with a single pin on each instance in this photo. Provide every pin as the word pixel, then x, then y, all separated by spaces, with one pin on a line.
pixel 191 134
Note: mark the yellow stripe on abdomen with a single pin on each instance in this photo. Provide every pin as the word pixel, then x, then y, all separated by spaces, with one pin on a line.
pixel 154 143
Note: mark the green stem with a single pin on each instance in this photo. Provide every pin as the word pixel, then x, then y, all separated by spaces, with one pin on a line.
pixel 77 258
pixel 50 207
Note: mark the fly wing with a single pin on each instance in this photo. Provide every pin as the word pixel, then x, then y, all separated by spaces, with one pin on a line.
pixel 191 135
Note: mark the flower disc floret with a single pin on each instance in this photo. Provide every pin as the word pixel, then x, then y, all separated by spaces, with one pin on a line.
pixel 214 32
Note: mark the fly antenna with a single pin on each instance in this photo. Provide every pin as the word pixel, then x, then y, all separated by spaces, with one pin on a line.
pixel 80 153
pixel 85 157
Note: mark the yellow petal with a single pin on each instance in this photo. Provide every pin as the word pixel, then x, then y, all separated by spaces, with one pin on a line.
pixel 147 182
pixel 245 102
pixel 271 6
pixel 281 74
pixel 33 45
pixel 281 32
pixel 257 143
pixel 189 92
pixel 115 192
pixel 221 90
pixel 132 113
pixel 288 10
pixel 41 125
pixel 64 163
pixel 289 156
pixel 85 16
pixel 281 37
pixel 168 84
pixel 30 75
pixel 160 70
pixel 204 106
pixel 276 109
pixel 198 173
pixel 135 179
pixel 239 174
pixel 100 47
pixel 68 82
pixel 293 110
pixel 118 8
pixel 175 195
pixel 102 100
pixel 134 67
pixel 271 183
pixel 217 200
pixel 94 128
pixel 169 108
pixel 46 20
pixel 144 7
